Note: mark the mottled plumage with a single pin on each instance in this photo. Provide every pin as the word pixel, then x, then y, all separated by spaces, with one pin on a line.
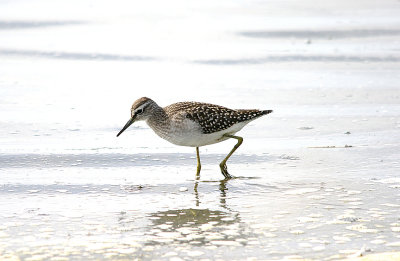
pixel 193 124
pixel 214 118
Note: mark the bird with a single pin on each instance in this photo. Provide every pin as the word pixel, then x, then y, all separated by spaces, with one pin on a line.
pixel 194 124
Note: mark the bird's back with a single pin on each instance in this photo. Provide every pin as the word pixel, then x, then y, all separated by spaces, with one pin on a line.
pixel 212 118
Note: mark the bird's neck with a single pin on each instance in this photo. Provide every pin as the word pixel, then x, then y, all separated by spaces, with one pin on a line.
pixel 159 121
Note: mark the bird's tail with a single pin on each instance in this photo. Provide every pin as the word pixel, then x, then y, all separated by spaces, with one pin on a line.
pixel 265 112
pixel 253 114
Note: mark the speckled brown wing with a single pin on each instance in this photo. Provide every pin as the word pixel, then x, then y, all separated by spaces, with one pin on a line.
pixel 214 118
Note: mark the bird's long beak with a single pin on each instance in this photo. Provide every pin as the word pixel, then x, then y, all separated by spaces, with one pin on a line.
pixel 129 123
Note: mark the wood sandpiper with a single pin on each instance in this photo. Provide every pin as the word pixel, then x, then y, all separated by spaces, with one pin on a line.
pixel 194 124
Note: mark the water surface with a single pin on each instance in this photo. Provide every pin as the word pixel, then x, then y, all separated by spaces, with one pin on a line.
pixel 316 179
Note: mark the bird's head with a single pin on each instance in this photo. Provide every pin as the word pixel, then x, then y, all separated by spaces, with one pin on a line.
pixel 141 110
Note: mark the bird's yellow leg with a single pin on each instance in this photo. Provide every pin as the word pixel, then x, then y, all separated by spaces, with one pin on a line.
pixel 198 163
pixel 222 165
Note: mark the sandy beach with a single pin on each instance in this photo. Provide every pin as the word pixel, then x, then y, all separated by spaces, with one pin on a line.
pixel 318 179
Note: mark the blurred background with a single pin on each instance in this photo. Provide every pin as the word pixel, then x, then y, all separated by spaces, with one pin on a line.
pixel 80 65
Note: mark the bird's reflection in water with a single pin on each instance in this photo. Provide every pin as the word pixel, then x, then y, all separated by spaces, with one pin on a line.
pixel 198 226
pixel 222 189
pixel 192 218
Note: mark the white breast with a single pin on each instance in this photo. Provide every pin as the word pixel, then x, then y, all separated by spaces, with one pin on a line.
pixel 188 133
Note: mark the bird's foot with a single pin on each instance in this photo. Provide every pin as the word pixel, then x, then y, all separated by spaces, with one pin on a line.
pixel 224 171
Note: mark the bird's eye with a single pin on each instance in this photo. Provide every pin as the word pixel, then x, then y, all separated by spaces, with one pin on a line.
pixel 139 111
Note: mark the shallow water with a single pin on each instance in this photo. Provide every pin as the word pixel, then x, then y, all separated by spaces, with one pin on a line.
pixel 318 178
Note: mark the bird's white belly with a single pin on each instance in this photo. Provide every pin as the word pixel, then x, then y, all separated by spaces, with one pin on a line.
pixel 189 134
